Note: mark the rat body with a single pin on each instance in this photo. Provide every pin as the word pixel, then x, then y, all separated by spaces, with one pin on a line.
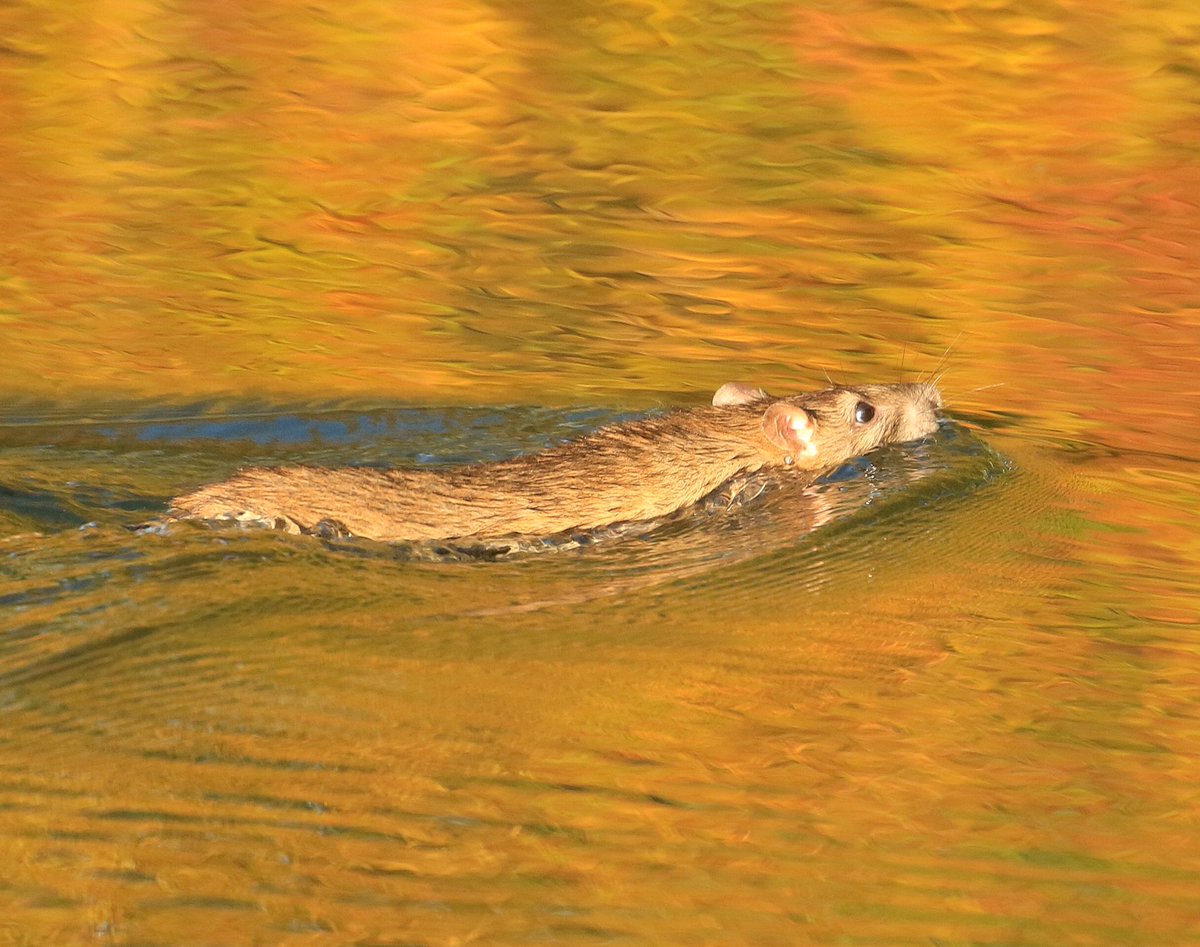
pixel 639 470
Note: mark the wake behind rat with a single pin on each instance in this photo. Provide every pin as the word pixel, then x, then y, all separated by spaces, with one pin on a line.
pixel 640 470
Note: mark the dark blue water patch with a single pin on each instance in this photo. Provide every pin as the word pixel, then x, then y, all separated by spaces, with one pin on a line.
pixel 283 430
pixel 431 435
pixel 300 429
pixel 537 424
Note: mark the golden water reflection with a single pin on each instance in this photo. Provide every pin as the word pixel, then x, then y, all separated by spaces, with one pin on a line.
pixel 961 710
pixel 477 203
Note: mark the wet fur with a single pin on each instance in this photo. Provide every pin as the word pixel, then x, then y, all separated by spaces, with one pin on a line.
pixel 635 471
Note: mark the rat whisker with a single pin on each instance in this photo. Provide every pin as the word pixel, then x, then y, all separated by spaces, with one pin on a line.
pixel 946 354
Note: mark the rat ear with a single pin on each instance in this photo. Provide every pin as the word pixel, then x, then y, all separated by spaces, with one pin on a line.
pixel 735 392
pixel 790 428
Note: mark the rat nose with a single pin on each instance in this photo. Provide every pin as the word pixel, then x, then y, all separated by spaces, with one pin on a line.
pixel 927 397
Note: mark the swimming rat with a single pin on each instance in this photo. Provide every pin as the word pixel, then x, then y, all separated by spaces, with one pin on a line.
pixel 638 470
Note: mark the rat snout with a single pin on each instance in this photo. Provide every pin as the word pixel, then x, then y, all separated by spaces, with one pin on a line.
pixel 923 411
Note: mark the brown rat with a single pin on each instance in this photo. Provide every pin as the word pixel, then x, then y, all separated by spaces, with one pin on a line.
pixel 639 470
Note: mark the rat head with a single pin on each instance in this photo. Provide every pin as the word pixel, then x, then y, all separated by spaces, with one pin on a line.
pixel 822 429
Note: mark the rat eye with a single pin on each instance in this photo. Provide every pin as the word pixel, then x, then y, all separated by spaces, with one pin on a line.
pixel 863 412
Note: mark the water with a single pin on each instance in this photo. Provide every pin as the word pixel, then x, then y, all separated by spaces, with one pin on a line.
pixel 946 696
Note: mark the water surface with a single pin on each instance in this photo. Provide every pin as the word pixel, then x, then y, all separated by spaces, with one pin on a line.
pixel 946 696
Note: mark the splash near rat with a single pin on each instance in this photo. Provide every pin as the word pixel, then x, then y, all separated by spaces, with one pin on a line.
pixel 641 470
